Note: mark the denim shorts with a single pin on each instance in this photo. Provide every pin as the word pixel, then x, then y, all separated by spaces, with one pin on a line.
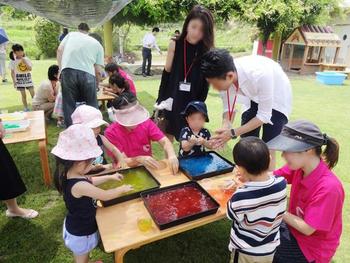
pixel 80 245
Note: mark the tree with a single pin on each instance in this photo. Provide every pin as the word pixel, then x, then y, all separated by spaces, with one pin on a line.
pixel 282 16
pixel 46 36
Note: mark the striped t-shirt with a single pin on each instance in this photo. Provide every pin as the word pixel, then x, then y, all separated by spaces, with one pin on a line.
pixel 256 210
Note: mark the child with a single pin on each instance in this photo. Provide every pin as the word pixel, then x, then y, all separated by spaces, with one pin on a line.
pixel 257 207
pixel 133 133
pixel 111 69
pixel 92 118
pixel 117 85
pixel 314 216
pixel 21 68
pixel 75 151
pixel 194 138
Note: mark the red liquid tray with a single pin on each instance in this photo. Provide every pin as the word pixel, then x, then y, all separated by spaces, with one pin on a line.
pixel 178 204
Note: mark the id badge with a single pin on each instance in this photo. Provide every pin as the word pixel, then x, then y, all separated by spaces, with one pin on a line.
pixel 185 86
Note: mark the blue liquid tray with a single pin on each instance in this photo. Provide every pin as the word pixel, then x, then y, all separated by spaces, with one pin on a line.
pixel 204 166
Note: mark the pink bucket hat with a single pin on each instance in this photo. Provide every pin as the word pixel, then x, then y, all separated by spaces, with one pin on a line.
pixel 131 116
pixel 89 116
pixel 77 143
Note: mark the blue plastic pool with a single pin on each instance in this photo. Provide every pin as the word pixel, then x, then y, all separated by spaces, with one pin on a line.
pixel 205 165
pixel 330 78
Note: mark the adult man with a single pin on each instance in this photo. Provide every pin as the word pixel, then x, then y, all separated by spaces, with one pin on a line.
pixel 80 58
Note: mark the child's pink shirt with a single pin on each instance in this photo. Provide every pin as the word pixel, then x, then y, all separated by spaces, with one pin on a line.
pixel 134 142
pixel 318 199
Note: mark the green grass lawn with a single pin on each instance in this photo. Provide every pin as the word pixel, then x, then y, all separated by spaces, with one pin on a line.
pixel 40 240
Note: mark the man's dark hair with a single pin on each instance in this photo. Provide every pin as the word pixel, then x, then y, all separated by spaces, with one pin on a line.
pixel 155 29
pixel 124 100
pixel 52 71
pixel 252 154
pixel 84 27
pixel 216 63
pixel 177 31
pixel 112 67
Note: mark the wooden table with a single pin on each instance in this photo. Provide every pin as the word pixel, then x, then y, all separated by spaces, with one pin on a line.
pixel 36 132
pixel 118 224
pixel 104 98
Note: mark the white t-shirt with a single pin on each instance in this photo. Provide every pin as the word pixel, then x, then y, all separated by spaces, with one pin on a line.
pixel 263 81
pixel 23 75
pixel 45 91
pixel 149 41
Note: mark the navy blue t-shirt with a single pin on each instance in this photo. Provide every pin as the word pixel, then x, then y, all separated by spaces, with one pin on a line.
pixel 185 135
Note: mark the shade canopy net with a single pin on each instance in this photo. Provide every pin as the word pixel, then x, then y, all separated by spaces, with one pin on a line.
pixel 71 13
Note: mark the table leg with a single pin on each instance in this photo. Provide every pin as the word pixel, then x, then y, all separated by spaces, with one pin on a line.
pixel 119 255
pixel 44 162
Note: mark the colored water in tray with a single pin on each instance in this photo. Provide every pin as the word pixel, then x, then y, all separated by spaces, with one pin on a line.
pixel 221 195
pixel 174 204
pixel 138 178
pixel 199 165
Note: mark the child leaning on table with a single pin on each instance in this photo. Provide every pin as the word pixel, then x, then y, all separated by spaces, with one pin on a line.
pixel 75 152
pixel 92 118
pixel 257 207
pixel 194 138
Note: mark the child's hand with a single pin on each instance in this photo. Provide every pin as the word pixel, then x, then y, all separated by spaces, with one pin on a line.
pixel 192 140
pixel 125 188
pixel 117 177
pixel 174 164
pixel 148 161
pixel 201 141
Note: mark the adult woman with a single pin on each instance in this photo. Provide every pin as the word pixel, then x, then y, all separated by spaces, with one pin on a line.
pixel 45 96
pixel 182 80
pixel 11 183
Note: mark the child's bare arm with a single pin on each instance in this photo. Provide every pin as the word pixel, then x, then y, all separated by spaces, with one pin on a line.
pixel 97 180
pixel 86 189
pixel 28 63
pixel 114 150
pixel 170 153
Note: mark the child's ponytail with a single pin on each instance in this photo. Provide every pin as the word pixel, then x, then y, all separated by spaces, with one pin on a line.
pixel 60 175
pixel 331 153
pixel 12 57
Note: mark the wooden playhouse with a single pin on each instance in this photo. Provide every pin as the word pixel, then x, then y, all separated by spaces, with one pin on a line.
pixel 311 48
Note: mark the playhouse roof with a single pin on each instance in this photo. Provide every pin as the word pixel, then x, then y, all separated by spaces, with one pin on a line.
pixel 311 35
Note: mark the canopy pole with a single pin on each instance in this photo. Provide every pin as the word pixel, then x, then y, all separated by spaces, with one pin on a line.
pixel 107 35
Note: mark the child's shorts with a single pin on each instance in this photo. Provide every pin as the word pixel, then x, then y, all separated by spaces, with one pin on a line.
pixel 238 257
pixel 80 245
pixel 23 88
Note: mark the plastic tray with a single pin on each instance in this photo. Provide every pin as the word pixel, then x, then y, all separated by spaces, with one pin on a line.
pixel 17 126
pixel 177 220
pixel 132 195
pixel 205 165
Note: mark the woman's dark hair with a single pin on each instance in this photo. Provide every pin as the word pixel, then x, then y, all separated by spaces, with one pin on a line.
pixel 112 67
pixel 60 175
pixel 202 13
pixel 216 63
pixel 177 31
pixel 155 29
pixel 117 79
pixel 52 71
pixel 124 100
pixel 252 154
pixel 331 153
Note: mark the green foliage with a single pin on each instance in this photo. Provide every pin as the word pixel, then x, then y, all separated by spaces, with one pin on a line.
pixel 282 16
pixel 11 12
pixel 46 36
